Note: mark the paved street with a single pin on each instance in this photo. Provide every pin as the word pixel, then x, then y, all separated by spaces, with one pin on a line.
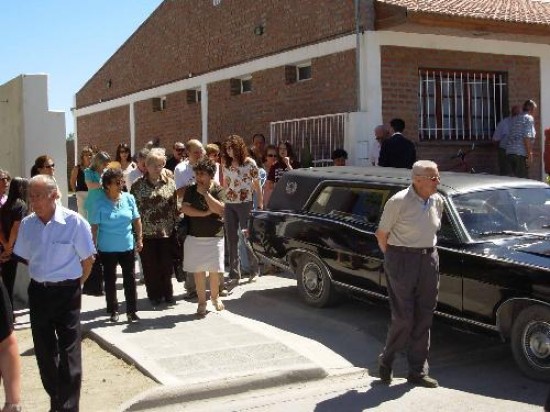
pixel 270 352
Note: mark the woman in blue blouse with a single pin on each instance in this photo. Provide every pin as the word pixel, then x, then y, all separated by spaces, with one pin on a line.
pixel 115 219
pixel 92 176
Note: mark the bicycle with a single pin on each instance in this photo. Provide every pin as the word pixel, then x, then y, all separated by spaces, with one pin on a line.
pixel 463 166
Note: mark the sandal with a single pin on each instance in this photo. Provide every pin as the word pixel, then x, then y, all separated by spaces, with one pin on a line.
pixel 11 407
pixel 201 310
pixel 218 304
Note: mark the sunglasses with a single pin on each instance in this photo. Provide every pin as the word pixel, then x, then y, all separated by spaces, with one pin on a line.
pixel 180 150
pixel 432 178
pixel 271 155
pixel 49 166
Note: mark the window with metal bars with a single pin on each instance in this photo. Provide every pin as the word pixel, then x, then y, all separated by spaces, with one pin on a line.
pixel 460 105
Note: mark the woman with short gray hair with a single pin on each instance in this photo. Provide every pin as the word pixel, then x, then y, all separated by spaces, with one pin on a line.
pixel 155 195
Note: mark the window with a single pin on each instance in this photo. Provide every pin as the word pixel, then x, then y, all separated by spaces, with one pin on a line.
pixel 303 72
pixel 460 105
pixel 359 204
pixel 297 73
pixel 193 96
pixel 159 104
pixel 241 85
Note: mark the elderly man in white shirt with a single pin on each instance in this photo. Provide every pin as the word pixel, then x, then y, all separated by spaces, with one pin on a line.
pixel 57 244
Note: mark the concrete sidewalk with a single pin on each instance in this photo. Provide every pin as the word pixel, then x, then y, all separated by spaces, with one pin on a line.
pixel 219 355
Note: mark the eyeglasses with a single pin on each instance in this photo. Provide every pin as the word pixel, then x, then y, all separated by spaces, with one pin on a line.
pixel 5 179
pixel 180 150
pixel 432 178
pixel 49 166
pixel 271 155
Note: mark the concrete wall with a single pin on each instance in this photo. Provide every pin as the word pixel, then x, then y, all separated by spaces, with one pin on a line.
pixel 11 126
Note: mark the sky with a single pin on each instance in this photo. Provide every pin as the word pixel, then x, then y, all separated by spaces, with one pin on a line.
pixel 69 40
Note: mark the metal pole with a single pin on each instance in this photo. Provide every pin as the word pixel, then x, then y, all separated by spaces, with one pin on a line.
pixel 357 57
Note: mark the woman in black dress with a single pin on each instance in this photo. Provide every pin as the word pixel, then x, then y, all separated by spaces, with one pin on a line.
pixel 11 214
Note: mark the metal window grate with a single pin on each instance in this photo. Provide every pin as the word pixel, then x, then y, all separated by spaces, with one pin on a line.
pixel 460 105
pixel 312 138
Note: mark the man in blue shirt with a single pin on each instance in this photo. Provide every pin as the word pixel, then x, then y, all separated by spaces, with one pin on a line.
pixel 57 244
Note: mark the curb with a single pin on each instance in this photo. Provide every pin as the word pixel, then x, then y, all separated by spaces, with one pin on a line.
pixel 119 353
pixel 170 395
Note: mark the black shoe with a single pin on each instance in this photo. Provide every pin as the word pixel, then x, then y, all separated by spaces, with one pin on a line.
pixel 232 284
pixel 114 317
pixel 133 318
pixel 190 295
pixel 155 302
pixel 223 293
pixel 170 301
pixel 424 381
pixel 180 274
pixel 384 373
pixel 253 277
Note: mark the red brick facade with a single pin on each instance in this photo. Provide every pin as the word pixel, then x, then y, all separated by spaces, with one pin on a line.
pixel 194 36
pixel 105 129
pixel 332 89
pixel 400 96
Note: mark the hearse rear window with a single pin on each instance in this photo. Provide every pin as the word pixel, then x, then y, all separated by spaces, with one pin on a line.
pixel 351 203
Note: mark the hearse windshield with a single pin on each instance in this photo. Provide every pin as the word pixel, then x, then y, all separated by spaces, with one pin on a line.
pixel 504 212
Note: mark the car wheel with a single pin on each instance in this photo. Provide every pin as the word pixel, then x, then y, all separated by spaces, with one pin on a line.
pixel 314 284
pixel 530 342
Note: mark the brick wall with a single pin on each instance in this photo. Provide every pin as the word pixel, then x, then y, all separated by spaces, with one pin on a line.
pixel 180 121
pixel 400 96
pixel 193 36
pixel 106 129
pixel 330 90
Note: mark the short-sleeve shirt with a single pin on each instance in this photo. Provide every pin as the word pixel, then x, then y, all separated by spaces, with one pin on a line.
pixel 502 131
pixel 184 174
pixel 54 250
pixel 11 214
pixel 90 175
pixel 132 177
pixel 157 206
pixel 207 226
pixel 410 220
pixel 523 126
pixel 239 181
pixel 114 220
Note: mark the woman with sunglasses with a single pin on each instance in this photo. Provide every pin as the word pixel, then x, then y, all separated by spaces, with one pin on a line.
pixel 270 159
pixel 124 157
pixel 78 181
pixel 43 165
pixel 94 284
pixel 285 161
pixel 241 180
pixel 114 221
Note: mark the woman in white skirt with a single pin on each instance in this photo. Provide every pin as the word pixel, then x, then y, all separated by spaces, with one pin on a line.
pixel 203 204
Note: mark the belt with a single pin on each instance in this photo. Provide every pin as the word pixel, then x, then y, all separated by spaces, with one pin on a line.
pixel 67 282
pixel 417 250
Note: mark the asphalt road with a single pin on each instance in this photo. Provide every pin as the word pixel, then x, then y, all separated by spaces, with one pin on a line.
pixel 475 370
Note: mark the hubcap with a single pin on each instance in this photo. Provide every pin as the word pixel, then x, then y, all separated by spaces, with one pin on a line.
pixel 536 343
pixel 313 280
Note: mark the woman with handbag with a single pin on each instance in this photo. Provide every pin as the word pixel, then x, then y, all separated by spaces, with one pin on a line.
pixel 203 204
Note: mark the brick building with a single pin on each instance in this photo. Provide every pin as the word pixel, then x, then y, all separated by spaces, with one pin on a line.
pixel 323 73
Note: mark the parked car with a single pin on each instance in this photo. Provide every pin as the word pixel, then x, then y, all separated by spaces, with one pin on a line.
pixel 494 247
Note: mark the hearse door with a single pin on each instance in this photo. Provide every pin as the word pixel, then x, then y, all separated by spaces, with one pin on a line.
pixel 451 264
pixel 359 261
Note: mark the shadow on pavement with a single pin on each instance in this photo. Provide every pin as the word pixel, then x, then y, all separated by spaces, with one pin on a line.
pixel 355 401
pixel 463 360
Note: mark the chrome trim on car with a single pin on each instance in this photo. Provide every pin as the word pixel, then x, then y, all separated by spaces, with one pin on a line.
pixel 521 299
pixel 442 314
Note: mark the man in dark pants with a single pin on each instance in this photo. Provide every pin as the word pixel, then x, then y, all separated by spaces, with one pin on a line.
pixel 57 244
pixel 407 236
pixel 397 150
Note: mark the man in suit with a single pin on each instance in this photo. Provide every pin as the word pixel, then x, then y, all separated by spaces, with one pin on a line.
pixel 397 151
